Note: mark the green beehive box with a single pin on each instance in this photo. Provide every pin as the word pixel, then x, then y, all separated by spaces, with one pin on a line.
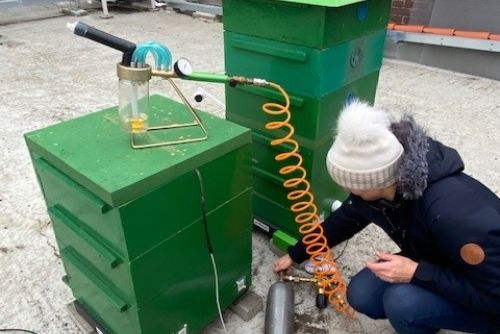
pixel 318 24
pixel 323 53
pixel 272 208
pixel 313 118
pixel 268 183
pixel 189 294
pixel 129 222
pixel 303 70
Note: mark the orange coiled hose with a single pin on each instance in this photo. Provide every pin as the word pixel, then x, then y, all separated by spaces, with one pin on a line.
pixel 304 208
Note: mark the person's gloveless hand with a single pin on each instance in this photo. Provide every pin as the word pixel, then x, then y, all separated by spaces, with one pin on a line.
pixel 393 268
pixel 283 263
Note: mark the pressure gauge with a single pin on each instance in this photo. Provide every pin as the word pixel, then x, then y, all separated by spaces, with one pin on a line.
pixel 183 67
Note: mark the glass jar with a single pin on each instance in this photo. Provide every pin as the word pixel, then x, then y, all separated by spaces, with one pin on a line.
pixel 133 94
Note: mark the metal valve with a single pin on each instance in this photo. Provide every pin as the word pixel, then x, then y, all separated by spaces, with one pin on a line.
pixel 321 299
pixel 297 279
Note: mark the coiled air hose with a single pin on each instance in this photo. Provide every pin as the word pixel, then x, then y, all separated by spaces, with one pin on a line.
pixel 304 208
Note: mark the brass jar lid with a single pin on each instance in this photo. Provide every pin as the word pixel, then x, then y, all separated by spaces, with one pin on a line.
pixel 133 73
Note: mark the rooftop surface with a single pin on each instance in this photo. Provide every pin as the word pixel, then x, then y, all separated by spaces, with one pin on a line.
pixel 49 75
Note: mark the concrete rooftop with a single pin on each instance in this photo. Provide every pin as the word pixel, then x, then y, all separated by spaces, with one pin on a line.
pixel 48 75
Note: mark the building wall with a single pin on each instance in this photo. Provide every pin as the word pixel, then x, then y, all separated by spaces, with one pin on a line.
pixel 474 15
pixel 478 15
pixel 412 11
pixel 400 12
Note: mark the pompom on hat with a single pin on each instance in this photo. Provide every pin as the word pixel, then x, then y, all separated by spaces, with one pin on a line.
pixel 365 154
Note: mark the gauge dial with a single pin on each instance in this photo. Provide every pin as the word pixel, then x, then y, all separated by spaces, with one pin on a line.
pixel 183 67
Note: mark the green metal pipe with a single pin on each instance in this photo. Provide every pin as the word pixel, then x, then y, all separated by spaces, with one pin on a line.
pixel 207 77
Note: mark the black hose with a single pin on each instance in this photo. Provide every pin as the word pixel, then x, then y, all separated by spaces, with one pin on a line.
pixel 99 36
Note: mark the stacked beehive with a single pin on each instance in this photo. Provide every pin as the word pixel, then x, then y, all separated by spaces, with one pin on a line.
pixel 323 53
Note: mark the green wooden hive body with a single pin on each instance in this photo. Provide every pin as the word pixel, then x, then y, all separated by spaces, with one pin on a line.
pixel 129 222
pixel 323 53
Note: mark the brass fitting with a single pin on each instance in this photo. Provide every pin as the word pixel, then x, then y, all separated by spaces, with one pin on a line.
pixel 238 80
pixel 133 73
pixel 164 74
pixel 297 279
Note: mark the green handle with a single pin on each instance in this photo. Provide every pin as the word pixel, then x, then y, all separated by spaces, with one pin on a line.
pixel 45 166
pixel 72 256
pixel 289 54
pixel 283 148
pixel 59 213
pixel 272 94
pixel 269 176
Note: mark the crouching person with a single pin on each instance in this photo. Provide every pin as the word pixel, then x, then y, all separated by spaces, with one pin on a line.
pixel 447 225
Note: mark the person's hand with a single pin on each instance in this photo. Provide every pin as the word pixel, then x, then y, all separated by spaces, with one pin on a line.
pixel 283 263
pixel 393 268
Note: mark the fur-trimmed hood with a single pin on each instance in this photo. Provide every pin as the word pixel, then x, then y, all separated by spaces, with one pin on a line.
pixel 425 160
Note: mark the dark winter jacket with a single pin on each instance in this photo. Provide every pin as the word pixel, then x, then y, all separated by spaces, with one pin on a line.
pixel 442 218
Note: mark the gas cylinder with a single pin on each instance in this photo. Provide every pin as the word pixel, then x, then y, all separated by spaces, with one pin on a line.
pixel 280 309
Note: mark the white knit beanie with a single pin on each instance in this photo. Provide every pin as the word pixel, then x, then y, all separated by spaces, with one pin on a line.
pixel 365 154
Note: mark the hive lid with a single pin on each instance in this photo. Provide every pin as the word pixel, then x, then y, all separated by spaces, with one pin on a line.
pixel 95 152
pixel 325 3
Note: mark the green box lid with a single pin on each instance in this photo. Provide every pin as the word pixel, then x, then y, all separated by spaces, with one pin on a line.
pixel 95 152
pixel 325 3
